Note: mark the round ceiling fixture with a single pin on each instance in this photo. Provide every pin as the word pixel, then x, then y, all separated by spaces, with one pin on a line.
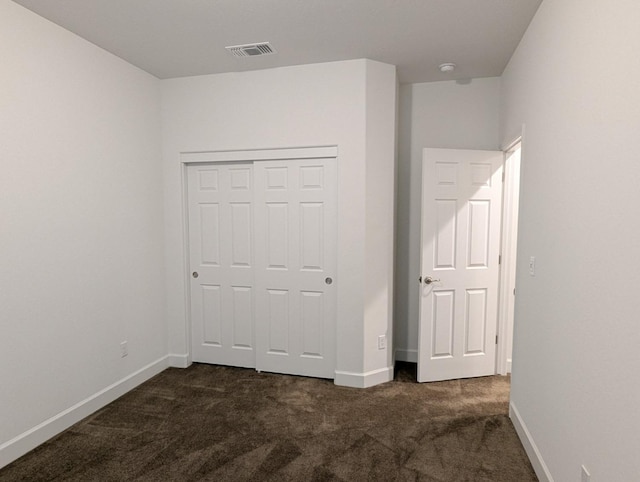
pixel 447 67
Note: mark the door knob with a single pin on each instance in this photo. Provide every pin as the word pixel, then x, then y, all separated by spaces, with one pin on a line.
pixel 328 281
pixel 428 280
pixel 195 274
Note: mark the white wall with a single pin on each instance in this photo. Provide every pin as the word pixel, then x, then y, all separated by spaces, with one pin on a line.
pixel 380 187
pixel 456 115
pixel 80 224
pixel 311 105
pixel 574 82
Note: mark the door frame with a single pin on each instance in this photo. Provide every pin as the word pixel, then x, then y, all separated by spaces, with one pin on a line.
pixel 188 158
pixel 508 251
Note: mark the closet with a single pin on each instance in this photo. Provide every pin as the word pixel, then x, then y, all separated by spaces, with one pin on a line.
pixel 262 246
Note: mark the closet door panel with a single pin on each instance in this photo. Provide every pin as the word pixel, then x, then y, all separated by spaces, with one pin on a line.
pixel 295 235
pixel 221 245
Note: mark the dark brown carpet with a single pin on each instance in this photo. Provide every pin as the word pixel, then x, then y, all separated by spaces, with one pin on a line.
pixel 231 424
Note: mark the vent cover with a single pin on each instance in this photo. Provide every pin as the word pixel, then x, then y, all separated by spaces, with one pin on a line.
pixel 251 50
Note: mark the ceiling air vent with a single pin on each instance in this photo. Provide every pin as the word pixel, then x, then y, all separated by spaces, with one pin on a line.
pixel 251 50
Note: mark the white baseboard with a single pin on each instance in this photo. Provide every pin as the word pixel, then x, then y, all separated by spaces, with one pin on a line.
pixel 406 355
pixel 364 380
pixel 179 361
pixel 529 445
pixel 27 441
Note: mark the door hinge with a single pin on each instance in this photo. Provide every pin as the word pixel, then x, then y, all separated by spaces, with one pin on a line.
pixel 503 175
pixel 496 339
pixel 499 259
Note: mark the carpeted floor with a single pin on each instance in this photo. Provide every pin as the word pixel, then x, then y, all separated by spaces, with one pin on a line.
pixel 230 424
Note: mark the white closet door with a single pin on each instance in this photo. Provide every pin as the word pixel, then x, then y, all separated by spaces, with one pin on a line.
pixel 295 266
pixel 221 263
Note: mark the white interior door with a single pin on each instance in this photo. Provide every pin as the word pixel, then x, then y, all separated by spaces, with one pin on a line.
pixel 295 207
pixel 461 207
pixel 221 263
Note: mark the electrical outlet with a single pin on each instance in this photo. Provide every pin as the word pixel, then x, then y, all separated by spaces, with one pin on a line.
pixel 382 342
pixel 586 476
pixel 532 266
pixel 124 351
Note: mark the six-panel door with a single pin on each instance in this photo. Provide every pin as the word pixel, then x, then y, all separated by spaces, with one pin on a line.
pixel 295 266
pixel 461 207
pixel 221 252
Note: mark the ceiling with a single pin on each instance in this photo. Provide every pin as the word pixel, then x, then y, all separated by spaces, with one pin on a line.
pixel 178 38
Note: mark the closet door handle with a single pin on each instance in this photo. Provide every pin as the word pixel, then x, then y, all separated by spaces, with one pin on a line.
pixel 195 274
pixel 328 280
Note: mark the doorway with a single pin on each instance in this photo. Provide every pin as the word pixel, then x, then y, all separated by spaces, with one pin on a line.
pixel 262 244
pixel 468 258
pixel 510 204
